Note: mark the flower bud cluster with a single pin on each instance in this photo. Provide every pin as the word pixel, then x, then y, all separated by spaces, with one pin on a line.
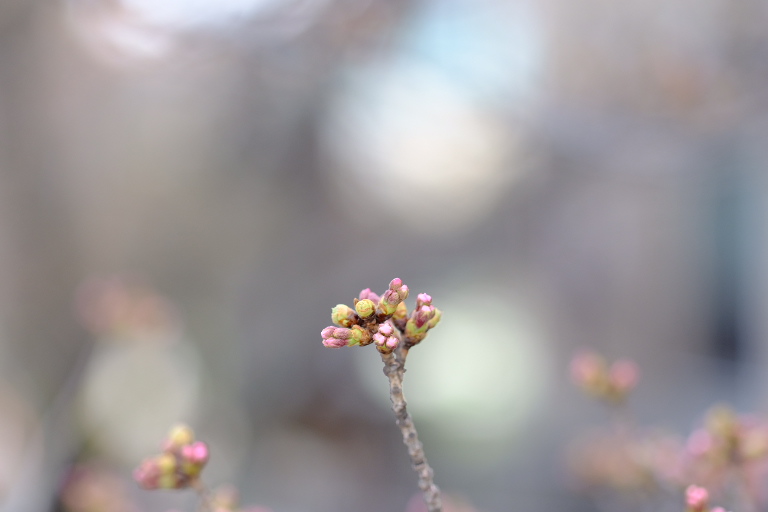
pixel 611 383
pixel 726 440
pixel 178 466
pixel 382 319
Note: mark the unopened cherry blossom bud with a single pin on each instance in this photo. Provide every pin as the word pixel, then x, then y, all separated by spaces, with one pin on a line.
pixel 423 315
pixel 335 337
pixel 396 285
pixel 423 299
pixel 386 340
pixel 343 316
pixel 696 498
pixel 388 302
pixel 396 293
pixel 368 294
pixel 400 316
pixel 359 336
pixel 435 319
pixel 365 308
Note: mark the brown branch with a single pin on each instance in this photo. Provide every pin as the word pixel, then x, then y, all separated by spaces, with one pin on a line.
pixel 394 368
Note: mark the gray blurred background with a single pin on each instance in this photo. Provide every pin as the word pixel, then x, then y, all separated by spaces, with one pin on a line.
pixel 556 174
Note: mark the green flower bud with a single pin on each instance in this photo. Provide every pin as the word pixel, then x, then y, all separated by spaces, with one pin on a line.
pixel 413 331
pixel 343 316
pixel 436 319
pixel 365 308
pixel 359 336
pixel 400 316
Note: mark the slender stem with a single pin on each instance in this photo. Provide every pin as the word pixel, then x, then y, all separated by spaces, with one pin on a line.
pixel 204 495
pixel 394 368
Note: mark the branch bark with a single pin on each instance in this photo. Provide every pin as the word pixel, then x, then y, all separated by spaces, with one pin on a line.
pixel 394 368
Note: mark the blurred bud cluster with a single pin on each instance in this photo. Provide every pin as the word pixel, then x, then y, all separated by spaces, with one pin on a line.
pixel 178 466
pixel 725 458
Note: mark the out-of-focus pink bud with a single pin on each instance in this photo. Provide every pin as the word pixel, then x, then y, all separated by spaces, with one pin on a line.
pixel 624 375
pixel 196 453
pixel 696 498
pixel 147 474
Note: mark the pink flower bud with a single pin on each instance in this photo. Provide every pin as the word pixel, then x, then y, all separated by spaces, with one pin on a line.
pixel 379 338
pixel 147 474
pixel 624 375
pixel 368 294
pixel 386 329
pixel 335 343
pixel 423 299
pixel 423 315
pixel 389 302
pixel 392 342
pixel 336 337
pixel 196 453
pixel 696 498
pixel 342 333
pixel 395 284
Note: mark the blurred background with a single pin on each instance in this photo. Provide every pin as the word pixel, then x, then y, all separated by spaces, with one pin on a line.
pixel 188 187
